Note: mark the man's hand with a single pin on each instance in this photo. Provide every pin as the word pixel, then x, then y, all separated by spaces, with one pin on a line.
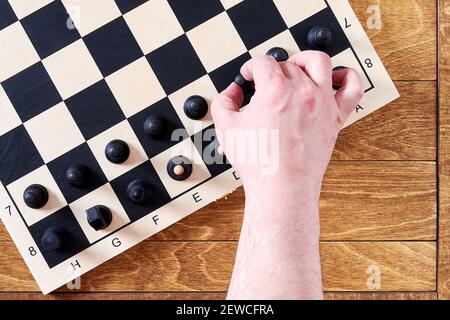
pixel 278 253
pixel 296 99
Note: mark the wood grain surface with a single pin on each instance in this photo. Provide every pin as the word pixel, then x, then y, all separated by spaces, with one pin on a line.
pixel 378 207
pixel 205 296
pixel 406 42
pixel 206 266
pixel 444 152
pixel 360 201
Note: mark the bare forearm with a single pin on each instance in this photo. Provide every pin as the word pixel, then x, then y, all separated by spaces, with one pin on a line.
pixel 278 255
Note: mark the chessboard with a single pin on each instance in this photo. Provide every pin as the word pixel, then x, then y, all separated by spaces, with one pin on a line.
pixel 105 121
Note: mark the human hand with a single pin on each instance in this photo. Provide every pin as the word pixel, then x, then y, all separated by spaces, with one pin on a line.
pixel 294 105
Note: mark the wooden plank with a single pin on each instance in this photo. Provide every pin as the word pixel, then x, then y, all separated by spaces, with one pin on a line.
pixel 403 130
pixel 444 152
pixel 204 296
pixel 360 201
pixel 206 266
pixel 379 201
pixel 406 41
pixel 382 296
pixel 113 296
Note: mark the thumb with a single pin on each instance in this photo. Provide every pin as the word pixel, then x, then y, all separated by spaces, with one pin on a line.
pixel 225 107
pixel 351 91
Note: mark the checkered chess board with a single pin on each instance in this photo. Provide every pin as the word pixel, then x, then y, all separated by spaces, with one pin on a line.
pixel 76 74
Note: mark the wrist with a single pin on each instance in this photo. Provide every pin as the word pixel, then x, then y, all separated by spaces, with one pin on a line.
pixel 286 187
pixel 283 203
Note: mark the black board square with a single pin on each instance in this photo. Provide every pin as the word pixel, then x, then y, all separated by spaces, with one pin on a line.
pixel 18 155
pixel 31 91
pixel 47 29
pixel 325 18
pixel 256 21
pixel 81 155
pixel 95 109
pixel 7 15
pixel 159 196
pixel 226 74
pixel 113 46
pixel 172 122
pixel 176 64
pixel 192 13
pixel 206 143
pixel 128 5
pixel 75 240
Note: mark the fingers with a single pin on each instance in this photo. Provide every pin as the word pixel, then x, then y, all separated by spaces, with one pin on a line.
pixel 226 106
pixel 293 72
pixel 261 69
pixel 317 65
pixel 351 91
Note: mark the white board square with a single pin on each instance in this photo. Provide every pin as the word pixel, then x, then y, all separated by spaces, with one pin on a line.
pixel 72 69
pixel 43 177
pixel 284 40
pixel 347 59
pixel 294 11
pixel 9 118
pixel 227 4
pixel 54 132
pixel 104 196
pixel 22 8
pixel 88 16
pixel 124 132
pixel 202 87
pixel 216 42
pixel 135 87
pixel 153 24
pixel 17 52
pixel 187 149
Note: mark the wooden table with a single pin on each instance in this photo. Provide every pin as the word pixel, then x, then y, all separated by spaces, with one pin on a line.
pixel 384 208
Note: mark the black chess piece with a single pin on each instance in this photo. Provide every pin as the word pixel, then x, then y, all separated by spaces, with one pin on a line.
pixel 53 239
pixel 139 191
pixel 99 217
pixel 336 87
pixel 77 175
pixel 179 168
pixel 215 149
pixel 279 54
pixel 117 151
pixel 196 107
pixel 241 81
pixel 245 85
pixel 154 126
pixel 320 37
pixel 35 196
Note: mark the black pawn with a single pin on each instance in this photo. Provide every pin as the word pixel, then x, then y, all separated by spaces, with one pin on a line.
pixel 320 37
pixel 336 87
pixel 139 191
pixel 117 151
pixel 196 107
pixel 179 168
pixel 77 175
pixel 245 85
pixel 241 82
pixel 35 196
pixel 99 217
pixel 279 54
pixel 154 126
pixel 53 239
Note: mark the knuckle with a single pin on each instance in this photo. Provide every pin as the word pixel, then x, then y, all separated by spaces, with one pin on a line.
pixel 320 56
pixel 309 95
pixel 276 81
